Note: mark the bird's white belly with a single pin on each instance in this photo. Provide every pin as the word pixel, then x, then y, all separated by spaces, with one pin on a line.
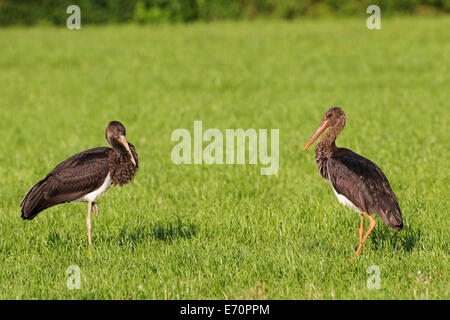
pixel 343 199
pixel 94 195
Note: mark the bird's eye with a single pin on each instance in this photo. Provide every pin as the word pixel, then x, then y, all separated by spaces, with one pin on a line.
pixel 329 115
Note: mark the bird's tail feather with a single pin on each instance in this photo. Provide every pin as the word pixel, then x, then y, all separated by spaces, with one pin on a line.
pixel 394 219
pixel 34 201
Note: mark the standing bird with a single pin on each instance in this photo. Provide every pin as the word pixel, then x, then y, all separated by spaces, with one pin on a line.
pixel 85 176
pixel 357 182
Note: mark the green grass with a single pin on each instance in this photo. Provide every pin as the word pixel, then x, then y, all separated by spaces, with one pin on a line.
pixel 222 231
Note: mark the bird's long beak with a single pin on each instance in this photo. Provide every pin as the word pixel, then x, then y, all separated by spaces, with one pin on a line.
pixel 124 141
pixel 325 124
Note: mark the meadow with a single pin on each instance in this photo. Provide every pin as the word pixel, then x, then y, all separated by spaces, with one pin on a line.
pixel 226 231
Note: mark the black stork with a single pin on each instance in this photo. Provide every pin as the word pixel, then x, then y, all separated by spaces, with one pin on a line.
pixel 357 182
pixel 85 176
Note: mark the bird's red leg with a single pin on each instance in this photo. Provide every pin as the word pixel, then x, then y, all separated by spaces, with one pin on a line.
pixel 361 229
pixel 88 222
pixel 371 226
pixel 361 232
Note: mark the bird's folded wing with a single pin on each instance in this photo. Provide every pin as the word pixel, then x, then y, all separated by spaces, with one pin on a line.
pixel 359 179
pixel 78 175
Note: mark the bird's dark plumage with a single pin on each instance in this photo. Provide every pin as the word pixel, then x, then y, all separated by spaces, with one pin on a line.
pixel 357 182
pixel 365 185
pixel 121 169
pixel 70 180
pixel 84 173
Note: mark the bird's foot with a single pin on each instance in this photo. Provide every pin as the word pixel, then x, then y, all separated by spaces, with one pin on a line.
pixel 95 207
pixel 357 253
pixel 354 256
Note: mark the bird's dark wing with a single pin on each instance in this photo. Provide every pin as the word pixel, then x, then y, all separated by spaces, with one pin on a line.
pixel 68 181
pixel 365 185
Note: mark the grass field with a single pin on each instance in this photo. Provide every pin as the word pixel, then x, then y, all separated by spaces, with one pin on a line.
pixel 225 231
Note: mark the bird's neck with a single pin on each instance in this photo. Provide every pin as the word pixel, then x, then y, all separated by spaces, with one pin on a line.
pixel 326 146
pixel 120 152
pixel 122 170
